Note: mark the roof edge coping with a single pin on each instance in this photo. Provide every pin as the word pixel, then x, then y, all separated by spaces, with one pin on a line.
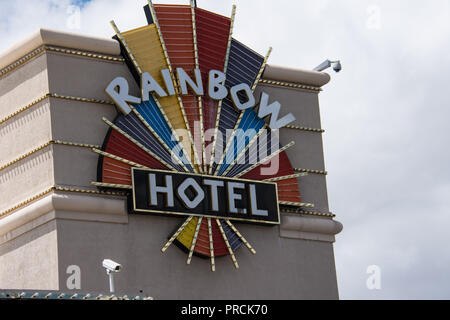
pixel 60 39
pixel 111 47
pixel 296 75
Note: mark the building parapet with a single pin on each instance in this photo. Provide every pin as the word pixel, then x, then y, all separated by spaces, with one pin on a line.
pixel 46 37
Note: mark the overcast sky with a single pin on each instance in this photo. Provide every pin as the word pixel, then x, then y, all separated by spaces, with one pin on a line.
pixel 385 115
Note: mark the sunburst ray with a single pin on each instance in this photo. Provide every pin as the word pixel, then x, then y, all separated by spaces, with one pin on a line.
pixel 219 105
pixel 250 124
pixel 230 250
pixel 175 235
pixel 189 144
pixel 211 246
pixel 194 240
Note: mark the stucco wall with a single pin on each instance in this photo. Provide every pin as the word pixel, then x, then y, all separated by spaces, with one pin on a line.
pixel 281 269
pixel 27 178
pixel 23 85
pixel 307 153
pixel 30 261
pixel 24 132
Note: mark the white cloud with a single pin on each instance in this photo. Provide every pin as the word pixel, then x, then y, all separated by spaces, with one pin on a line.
pixel 386 144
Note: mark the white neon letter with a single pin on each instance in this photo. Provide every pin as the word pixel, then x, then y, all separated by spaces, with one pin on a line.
pixel 214 184
pixel 154 190
pixel 148 85
pixel 168 81
pixel 184 79
pixel 273 110
pixel 121 97
pixel 216 87
pixel 232 197
pixel 190 182
pixel 254 204
pixel 245 105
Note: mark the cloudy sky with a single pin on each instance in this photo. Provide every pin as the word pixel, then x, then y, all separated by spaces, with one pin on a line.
pixel 386 139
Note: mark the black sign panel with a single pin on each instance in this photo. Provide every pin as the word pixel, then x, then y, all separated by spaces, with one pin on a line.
pixel 167 192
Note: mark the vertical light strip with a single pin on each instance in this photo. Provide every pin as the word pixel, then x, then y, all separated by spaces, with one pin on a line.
pixel 199 98
pixel 219 107
pixel 176 234
pixel 241 237
pixel 180 102
pixel 230 251
pixel 194 240
pixel 238 122
pixel 211 246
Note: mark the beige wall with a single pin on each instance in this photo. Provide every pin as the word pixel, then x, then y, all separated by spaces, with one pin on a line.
pixel 24 85
pixel 82 77
pixel 27 178
pixel 25 132
pixel 281 269
pixel 31 260
pixel 307 153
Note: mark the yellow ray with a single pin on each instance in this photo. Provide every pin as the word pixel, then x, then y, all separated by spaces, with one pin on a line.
pixel 175 235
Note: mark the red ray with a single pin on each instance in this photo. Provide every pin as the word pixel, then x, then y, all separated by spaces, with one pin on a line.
pixel 202 245
pixel 176 26
pixel 212 41
pixel 288 190
pixel 117 172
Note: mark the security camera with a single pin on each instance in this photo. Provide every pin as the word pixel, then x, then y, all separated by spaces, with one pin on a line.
pixel 337 66
pixel 327 63
pixel 111 266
